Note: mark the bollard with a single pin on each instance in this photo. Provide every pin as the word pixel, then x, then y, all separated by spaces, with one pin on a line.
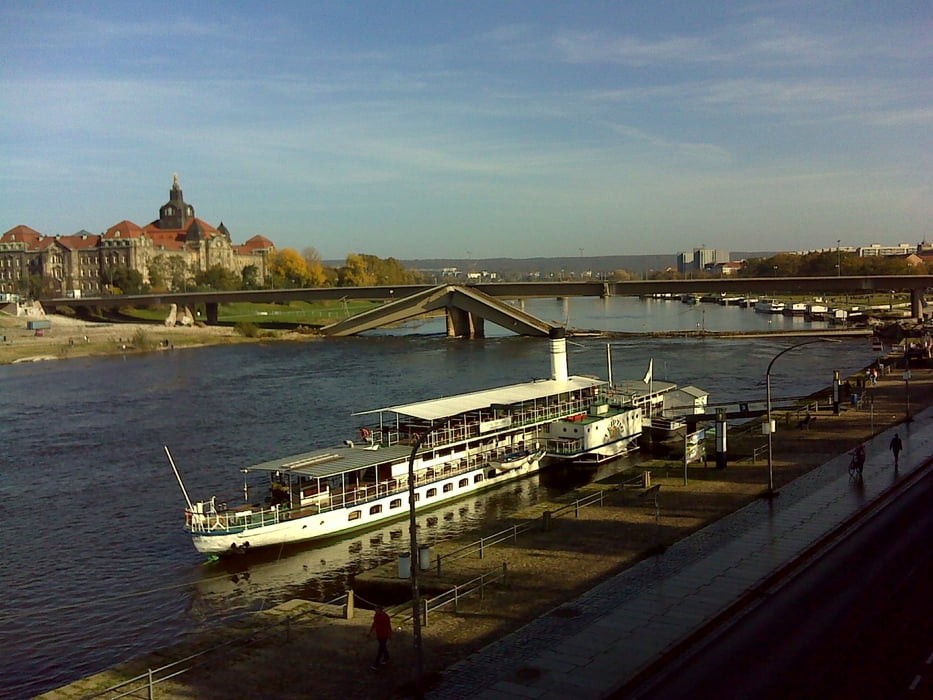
pixel 546 520
pixel 646 479
pixel 348 609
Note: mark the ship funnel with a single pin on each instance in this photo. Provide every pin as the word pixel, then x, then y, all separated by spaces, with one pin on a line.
pixel 558 353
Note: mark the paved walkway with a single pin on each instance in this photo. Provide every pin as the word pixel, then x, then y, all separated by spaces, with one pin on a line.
pixel 590 647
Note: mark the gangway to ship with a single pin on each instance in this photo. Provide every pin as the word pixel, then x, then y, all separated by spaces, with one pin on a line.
pixel 467 310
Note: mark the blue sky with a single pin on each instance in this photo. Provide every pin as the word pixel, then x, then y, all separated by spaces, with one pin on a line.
pixel 480 129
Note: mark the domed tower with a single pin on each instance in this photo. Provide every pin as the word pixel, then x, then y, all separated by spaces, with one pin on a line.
pixel 175 213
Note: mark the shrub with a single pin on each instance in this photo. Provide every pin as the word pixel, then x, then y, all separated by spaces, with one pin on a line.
pixel 141 340
pixel 247 330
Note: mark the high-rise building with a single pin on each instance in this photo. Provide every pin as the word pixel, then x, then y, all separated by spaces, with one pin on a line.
pixel 701 259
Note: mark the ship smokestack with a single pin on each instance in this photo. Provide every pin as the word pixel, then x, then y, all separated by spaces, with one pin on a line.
pixel 558 353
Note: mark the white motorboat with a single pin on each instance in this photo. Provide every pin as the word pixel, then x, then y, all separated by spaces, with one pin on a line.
pixel 769 306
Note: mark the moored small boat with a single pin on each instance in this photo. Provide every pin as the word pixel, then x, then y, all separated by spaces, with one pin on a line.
pixel 769 306
pixel 796 308
pixel 517 460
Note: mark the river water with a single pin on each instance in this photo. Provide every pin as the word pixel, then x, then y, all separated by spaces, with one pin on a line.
pixel 95 567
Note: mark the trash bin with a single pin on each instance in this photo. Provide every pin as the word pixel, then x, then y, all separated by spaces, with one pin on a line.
pixel 424 557
pixel 404 566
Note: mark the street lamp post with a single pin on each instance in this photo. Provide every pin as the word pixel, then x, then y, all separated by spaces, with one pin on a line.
pixel 838 258
pixel 907 417
pixel 770 424
pixel 413 559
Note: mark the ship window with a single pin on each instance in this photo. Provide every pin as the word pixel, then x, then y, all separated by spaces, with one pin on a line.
pixel 396 503
pixel 478 478
pixel 375 509
pixel 354 515
pixel 431 493
pixel 448 487
pixel 463 482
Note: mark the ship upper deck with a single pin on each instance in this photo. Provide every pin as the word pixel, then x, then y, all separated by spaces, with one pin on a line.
pixel 451 406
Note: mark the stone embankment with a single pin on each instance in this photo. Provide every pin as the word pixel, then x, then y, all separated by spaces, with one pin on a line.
pixel 322 654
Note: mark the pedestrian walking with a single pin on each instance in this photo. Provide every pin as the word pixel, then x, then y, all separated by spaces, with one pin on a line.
pixel 858 461
pixel 382 627
pixel 896 446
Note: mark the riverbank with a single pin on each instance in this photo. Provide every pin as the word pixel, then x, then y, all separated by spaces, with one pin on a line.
pixel 328 656
pixel 70 338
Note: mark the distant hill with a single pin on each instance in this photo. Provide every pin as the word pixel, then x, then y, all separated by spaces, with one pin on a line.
pixel 512 268
pixel 546 266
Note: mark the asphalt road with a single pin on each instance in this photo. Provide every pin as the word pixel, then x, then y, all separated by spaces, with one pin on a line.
pixel 857 623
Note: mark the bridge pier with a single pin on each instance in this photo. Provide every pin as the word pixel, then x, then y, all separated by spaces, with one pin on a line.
pixel 212 308
pixel 916 304
pixel 464 324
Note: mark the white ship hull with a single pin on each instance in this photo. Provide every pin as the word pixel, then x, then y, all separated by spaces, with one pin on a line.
pixel 280 528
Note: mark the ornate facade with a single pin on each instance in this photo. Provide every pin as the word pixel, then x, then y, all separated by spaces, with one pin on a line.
pixel 177 243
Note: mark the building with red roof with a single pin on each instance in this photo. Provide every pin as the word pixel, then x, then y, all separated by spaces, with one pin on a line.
pixel 174 248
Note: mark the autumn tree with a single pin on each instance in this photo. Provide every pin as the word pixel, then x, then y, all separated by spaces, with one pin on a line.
pixel 316 274
pixel 355 273
pixel 363 270
pixel 288 269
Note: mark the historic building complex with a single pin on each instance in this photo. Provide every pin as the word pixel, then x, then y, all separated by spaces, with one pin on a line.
pixel 173 248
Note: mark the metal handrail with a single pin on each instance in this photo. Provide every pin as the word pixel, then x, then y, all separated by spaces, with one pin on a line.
pixel 512 533
pixel 463 590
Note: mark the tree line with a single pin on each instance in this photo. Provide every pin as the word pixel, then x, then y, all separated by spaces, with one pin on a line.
pixel 822 264
pixel 287 269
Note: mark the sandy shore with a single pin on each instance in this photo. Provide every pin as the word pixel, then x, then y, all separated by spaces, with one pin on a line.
pixel 70 338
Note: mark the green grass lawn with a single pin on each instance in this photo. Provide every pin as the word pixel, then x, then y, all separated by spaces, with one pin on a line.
pixel 297 312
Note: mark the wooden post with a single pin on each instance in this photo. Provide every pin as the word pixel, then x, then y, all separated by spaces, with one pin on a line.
pixel 546 521
pixel 348 610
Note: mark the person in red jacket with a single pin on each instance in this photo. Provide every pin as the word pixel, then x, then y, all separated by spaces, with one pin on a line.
pixel 382 626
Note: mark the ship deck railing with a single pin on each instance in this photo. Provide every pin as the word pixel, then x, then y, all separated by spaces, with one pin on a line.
pixel 468 427
pixel 250 517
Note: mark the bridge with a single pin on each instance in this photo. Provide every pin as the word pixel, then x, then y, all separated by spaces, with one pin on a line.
pixel 467 307
pixel 467 311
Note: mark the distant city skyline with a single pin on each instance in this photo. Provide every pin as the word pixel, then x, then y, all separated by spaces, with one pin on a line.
pixel 475 130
